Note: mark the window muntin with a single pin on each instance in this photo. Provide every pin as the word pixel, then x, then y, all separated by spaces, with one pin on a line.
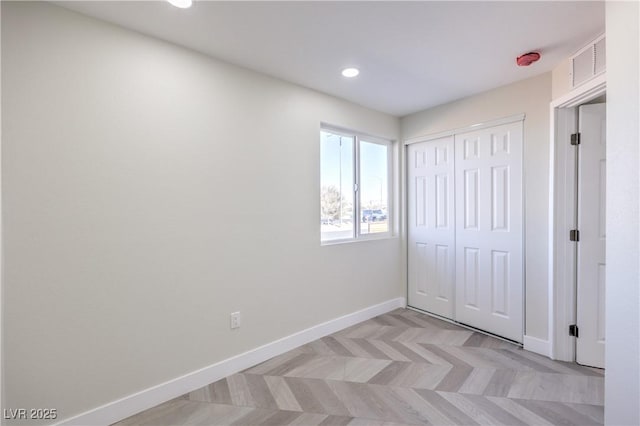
pixel 354 186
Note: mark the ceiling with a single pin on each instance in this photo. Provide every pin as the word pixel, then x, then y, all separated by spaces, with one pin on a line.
pixel 412 55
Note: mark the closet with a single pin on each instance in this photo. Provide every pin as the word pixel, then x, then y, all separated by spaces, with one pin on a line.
pixel 465 228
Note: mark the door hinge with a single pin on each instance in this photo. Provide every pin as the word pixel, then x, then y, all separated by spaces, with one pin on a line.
pixel 574 235
pixel 573 330
pixel 575 139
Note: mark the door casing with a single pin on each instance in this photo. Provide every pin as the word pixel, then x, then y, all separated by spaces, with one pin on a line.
pixel 562 217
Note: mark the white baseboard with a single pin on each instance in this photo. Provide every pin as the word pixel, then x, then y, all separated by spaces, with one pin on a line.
pixel 539 346
pixel 143 400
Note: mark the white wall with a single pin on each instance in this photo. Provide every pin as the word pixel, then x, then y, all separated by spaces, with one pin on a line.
pixel 532 97
pixel 622 357
pixel 149 191
pixel 561 79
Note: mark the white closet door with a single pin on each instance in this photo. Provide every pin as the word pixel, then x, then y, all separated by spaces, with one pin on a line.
pixel 592 169
pixel 430 189
pixel 489 233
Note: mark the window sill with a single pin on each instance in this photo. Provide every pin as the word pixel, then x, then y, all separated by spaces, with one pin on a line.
pixel 385 236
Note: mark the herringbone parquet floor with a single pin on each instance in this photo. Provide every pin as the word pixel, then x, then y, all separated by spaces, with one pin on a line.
pixel 399 368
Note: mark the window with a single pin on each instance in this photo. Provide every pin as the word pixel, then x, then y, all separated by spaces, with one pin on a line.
pixel 354 186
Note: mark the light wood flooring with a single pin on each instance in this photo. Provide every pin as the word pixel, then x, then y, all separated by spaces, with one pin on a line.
pixel 399 368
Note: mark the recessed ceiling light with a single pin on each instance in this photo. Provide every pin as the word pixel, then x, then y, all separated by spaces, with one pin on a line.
pixel 182 4
pixel 350 72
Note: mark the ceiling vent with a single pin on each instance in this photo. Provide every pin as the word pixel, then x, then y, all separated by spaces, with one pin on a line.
pixel 589 62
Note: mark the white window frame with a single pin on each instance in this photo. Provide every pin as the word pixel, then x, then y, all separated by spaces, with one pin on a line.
pixel 357 138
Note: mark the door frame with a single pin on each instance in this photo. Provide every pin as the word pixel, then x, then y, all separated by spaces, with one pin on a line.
pixel 405 200
pixel 562 216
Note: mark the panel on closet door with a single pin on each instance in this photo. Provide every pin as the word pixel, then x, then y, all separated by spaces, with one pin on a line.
pixel 500 142
pixel 442 272
pixel 422 266
pixel 500 198
pixel 489 234
pixel 500 283
pixel 441 200
pixel 431 225
pixel 442 153
pixel 470 199
pixel 471 148
pixel 471 277
pixel 420 197
pixel 420 159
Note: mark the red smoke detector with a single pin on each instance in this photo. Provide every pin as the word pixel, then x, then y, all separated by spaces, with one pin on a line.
pixel 527 59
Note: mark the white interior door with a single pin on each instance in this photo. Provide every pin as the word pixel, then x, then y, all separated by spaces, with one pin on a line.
pixel 592 165
pixel 431 233
pixel 489 230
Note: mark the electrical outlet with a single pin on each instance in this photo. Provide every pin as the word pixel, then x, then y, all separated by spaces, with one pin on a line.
pixel 235 320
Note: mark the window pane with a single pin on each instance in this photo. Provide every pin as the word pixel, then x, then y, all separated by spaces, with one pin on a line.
pixel 374 185
pixel 336 186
